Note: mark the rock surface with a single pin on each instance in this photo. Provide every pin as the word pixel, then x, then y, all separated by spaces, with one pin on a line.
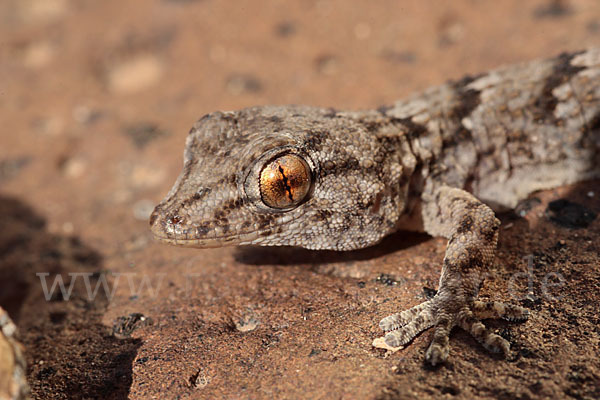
pixel 95 102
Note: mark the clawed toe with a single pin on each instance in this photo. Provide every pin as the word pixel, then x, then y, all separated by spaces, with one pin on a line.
pixel 439 348
pixel 404 326
pixel 406 333
pixel 496 309
pixel 390 323
pixel 407 324
pixel 396 321
pixel 471 228
pixel 492 342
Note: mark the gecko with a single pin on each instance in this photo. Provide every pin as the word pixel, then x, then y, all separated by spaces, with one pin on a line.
pixel 442 161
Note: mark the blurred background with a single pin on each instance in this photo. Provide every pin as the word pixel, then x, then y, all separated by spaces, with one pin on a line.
pixel 96 98
pixel 98 95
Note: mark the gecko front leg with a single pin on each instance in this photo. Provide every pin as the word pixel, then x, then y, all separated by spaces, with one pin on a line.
pixel 472 232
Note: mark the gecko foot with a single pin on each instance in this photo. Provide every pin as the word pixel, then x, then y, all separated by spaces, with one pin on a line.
pixel 443 316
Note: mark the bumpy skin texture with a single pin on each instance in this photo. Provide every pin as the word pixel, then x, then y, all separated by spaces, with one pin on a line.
pixel 13 384
pixel 439 161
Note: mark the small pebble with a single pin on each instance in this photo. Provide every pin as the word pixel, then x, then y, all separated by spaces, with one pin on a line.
pixel 327 64
pixel 38 55
pixel 146 176
pixel 74 167
pixel 85 115
pixel 241 83
pixel 42 10
pixel 135 74
pixel 248 322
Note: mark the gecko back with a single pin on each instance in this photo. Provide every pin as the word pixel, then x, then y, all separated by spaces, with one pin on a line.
pixel 512 131
pixel 325 179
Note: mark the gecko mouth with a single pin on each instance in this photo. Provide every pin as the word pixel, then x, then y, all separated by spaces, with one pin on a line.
pixel 190 239
pixel 169 229
pixel 184 239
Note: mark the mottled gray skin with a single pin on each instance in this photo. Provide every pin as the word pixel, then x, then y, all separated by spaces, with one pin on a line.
pixel 13 367
pixel 435 162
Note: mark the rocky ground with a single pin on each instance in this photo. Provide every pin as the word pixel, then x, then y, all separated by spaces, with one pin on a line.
pixel 96 98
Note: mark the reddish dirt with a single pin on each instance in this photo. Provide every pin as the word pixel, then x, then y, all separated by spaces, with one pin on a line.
pixel 95 102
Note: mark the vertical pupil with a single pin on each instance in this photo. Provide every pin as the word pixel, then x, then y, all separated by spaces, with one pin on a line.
pixel 285 181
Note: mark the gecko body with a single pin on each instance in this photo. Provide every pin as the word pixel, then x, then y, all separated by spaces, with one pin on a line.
pixel 441 161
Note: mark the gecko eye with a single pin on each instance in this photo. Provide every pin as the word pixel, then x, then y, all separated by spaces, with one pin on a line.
pixel 284 181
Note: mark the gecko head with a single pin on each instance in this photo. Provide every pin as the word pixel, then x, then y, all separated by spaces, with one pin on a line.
pixel 294 176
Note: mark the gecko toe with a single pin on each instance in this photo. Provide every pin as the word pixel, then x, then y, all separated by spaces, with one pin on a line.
pixel 437 354
pixel 396 321
pixel 496 309
pixel 470 322
pixel 439 348
pixel 406 325
pixel 390 323
pixel 403 327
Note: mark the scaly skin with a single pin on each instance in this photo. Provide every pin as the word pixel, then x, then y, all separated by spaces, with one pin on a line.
pixel 439 161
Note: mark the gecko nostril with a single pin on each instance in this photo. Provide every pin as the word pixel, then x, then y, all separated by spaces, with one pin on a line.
pixel 174 219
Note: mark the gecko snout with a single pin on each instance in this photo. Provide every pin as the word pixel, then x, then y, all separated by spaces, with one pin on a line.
pixel 153 217
pixel 158 221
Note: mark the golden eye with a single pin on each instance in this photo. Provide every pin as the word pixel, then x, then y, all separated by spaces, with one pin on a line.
pixel 285 181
